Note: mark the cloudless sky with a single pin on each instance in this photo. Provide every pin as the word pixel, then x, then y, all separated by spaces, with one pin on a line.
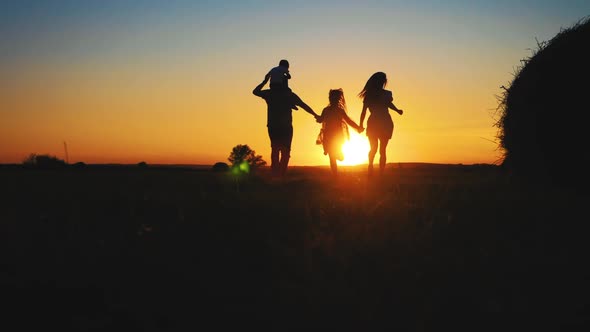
pixel 171 81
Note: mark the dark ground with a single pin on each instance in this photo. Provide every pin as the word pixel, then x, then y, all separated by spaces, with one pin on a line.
pixel 424 248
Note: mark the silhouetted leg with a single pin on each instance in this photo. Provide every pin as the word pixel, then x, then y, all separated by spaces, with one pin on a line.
pixel 383 155
pixel 280 138
pixel 287 138
pixel 274 136
pixel 284 163
pixel 373 142
pixel 334 165
pixel 274 161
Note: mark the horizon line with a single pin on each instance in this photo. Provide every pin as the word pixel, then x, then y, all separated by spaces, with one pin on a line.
pixel 316 165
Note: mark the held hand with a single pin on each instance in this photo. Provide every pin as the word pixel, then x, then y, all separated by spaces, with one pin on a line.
pixel 360 129
pixel 318 118
pixel 400 111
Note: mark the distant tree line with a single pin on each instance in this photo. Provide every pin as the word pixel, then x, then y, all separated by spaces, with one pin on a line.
pixel 242 158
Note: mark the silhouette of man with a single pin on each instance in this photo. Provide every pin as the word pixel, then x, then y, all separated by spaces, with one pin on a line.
pixel 279 121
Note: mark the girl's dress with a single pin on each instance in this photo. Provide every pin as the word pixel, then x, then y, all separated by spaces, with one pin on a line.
pixel 335 130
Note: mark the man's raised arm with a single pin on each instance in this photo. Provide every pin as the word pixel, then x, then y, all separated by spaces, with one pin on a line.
pixel 257 90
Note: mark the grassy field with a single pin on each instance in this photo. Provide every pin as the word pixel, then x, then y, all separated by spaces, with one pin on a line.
pixel 422 248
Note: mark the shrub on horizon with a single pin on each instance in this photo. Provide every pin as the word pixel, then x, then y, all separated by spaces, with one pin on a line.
pixel 243 159
pixel 220 167
pixel 43 161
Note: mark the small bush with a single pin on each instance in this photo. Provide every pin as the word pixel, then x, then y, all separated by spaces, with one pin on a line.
pixel 244 159
pixel 43 161
pixel 220 167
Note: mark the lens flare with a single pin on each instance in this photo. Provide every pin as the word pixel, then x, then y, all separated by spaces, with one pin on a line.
pixel 244 167
pixel 355 150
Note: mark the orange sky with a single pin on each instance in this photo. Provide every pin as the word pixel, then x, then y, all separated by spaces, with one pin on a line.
pixel 178 89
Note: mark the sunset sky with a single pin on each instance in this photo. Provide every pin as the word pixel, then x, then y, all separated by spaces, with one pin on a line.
pixel 171 81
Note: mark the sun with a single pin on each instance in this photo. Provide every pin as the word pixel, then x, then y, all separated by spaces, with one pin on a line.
pixel 355 150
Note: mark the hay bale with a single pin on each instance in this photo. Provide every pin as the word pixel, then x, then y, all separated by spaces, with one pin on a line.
pixel 542 127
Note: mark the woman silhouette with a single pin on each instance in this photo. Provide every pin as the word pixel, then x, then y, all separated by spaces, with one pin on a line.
pixel 379 125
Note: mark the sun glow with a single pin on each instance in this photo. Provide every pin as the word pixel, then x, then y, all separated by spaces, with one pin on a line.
pixel 355 150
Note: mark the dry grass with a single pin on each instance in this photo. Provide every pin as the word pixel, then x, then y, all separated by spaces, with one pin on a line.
pixel 420 249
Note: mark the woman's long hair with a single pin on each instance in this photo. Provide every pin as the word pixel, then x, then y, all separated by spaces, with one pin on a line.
pixel 374 85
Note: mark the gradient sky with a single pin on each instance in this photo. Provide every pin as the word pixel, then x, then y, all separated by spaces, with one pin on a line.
pixel 171 81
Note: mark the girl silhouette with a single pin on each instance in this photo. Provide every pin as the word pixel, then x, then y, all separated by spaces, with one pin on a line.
pixel 335 123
